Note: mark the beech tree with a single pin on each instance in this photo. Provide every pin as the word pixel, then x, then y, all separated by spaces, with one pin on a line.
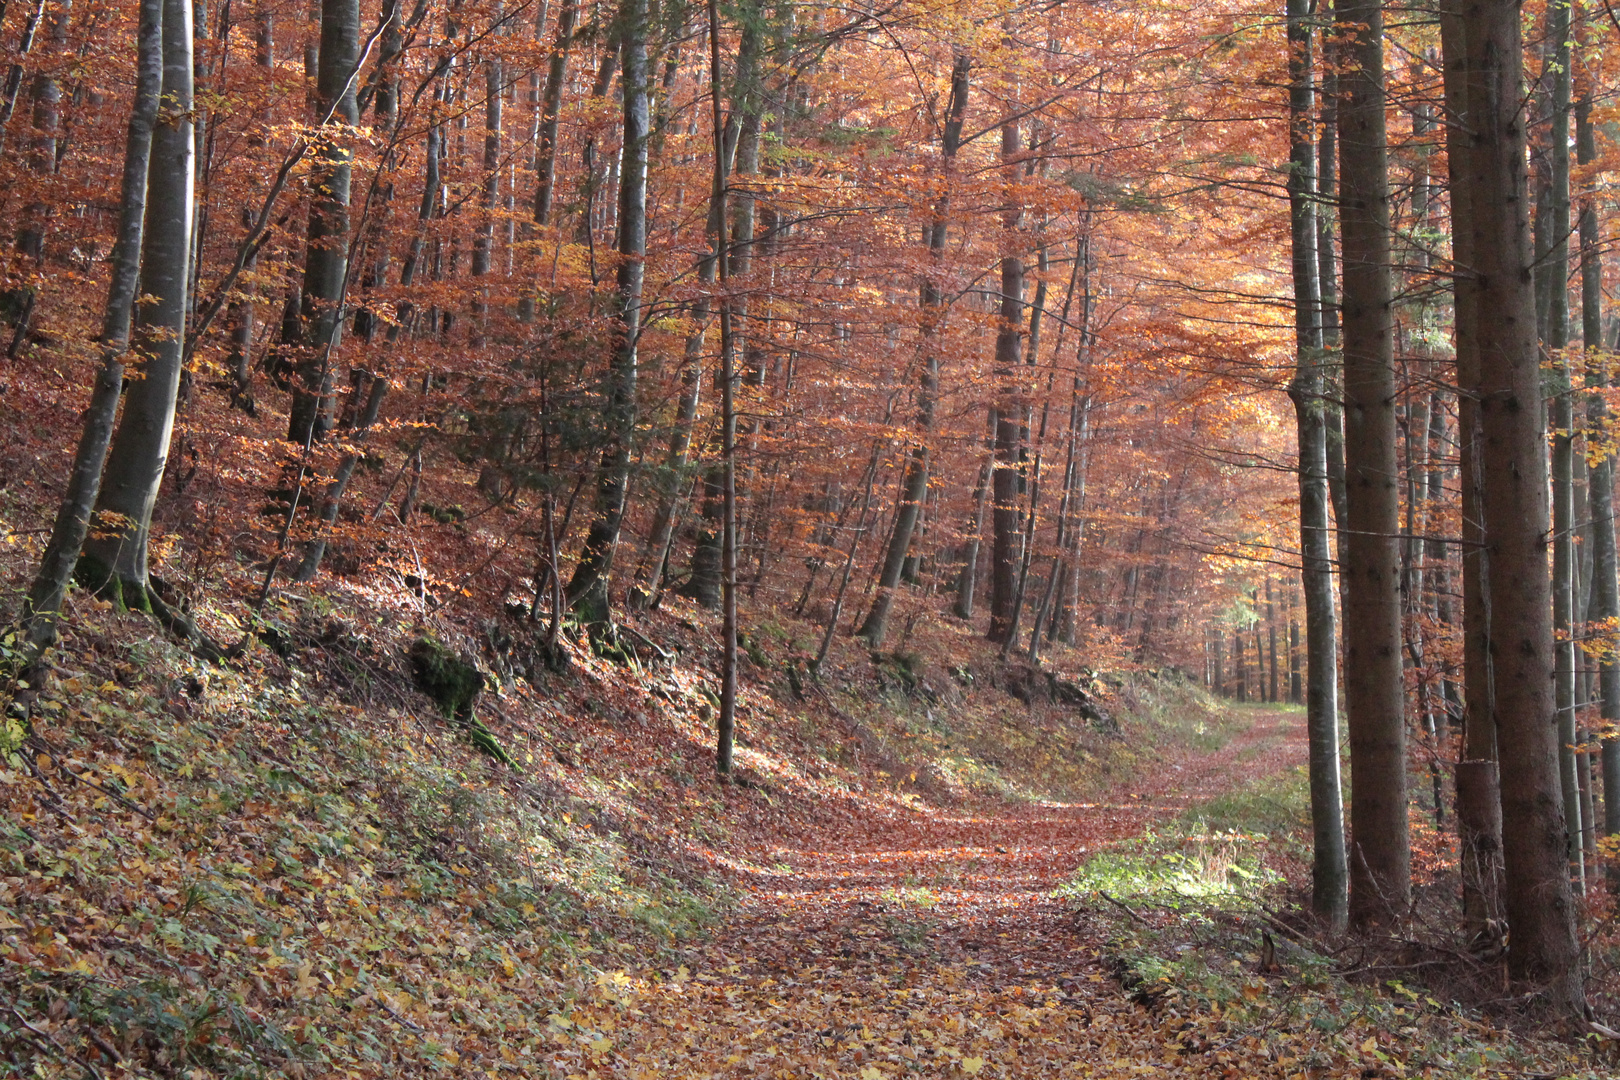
pixel 326 253
pixel 72 523
pixel 974 318
pixel 588 589
pixel 115 559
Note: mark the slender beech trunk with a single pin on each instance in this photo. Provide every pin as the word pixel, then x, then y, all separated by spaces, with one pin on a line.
pixel 1554 275
pixel 241 314
pixel 932 302
pixel 740 139
pixel 484 241
pixel 1296 674
pixel 1009 352
pixel 1030 473
pixel 1600 485
pixel 1274 691
pixel 1380 859
pixel 727 721
pixel 1327 216
pixel 326 256
pixel 45 118
pixel 115 558
pixel 14 75
pixel 545 155
pixel 84 481
pixel 966 585
pixel 1499 368
pixel 588 589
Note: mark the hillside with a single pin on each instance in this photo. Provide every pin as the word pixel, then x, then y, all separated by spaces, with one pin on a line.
pixel 294 865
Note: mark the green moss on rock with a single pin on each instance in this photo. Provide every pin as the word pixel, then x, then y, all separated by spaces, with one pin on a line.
pixel 452 683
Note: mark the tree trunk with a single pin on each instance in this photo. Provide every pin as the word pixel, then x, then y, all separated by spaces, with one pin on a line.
pixel 326 256
pixel 115 558
pixel 1329 870
pixel 1009 352
pixel 1498 366
pixel 1554 273
pixel 1380 862
pixel 588 589
pixel 484 241
pixel 1605 603
pixel 84 481
pixel 932 301
pixel 727 721
pixel 966 585
pixel 333 499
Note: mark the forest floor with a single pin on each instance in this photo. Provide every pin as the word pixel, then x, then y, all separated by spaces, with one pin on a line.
pixel 928 943
pixel 931 863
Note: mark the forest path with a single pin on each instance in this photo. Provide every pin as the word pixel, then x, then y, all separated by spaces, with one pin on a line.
pixel 917 943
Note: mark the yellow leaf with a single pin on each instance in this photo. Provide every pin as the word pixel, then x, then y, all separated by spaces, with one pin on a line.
pixel 306 984
pixel 1371 1045
pixel 871 1073
pixel 601 1045
pixel 972 1065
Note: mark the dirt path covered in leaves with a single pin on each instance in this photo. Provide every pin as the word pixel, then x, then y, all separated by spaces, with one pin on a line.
pixel 915 943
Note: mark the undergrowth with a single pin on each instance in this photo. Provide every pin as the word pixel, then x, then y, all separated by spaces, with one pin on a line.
pixel 201 870
pixel 1191 916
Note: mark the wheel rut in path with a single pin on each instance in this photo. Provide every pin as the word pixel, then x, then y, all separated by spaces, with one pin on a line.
pixel 914 942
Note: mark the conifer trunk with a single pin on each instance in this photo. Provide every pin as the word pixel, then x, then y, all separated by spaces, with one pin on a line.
pixel 1498 366
pixel 1380 871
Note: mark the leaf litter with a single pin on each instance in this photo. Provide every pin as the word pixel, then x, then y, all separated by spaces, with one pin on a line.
pixel 217 873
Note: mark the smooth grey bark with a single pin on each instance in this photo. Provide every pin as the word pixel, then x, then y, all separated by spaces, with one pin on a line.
pixel 1329 869
pixel 1327 184
pixel 1605 602
pixel 1078 408
pixel 1501 372
pixel 1380 858
pixel 914 488
pixel 726 723
pixel 550 110
pixel 966 585
pixel 588 588
pixel 326 255
pixel 45 120
pixel 1004 481
pixel 241 312
pixel 72 523
pixel 484 241
pixel 115 557
pixel 1077 466
pixel 14 76
pixel 740 139
pixel 1031 462
pixel 1553 272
